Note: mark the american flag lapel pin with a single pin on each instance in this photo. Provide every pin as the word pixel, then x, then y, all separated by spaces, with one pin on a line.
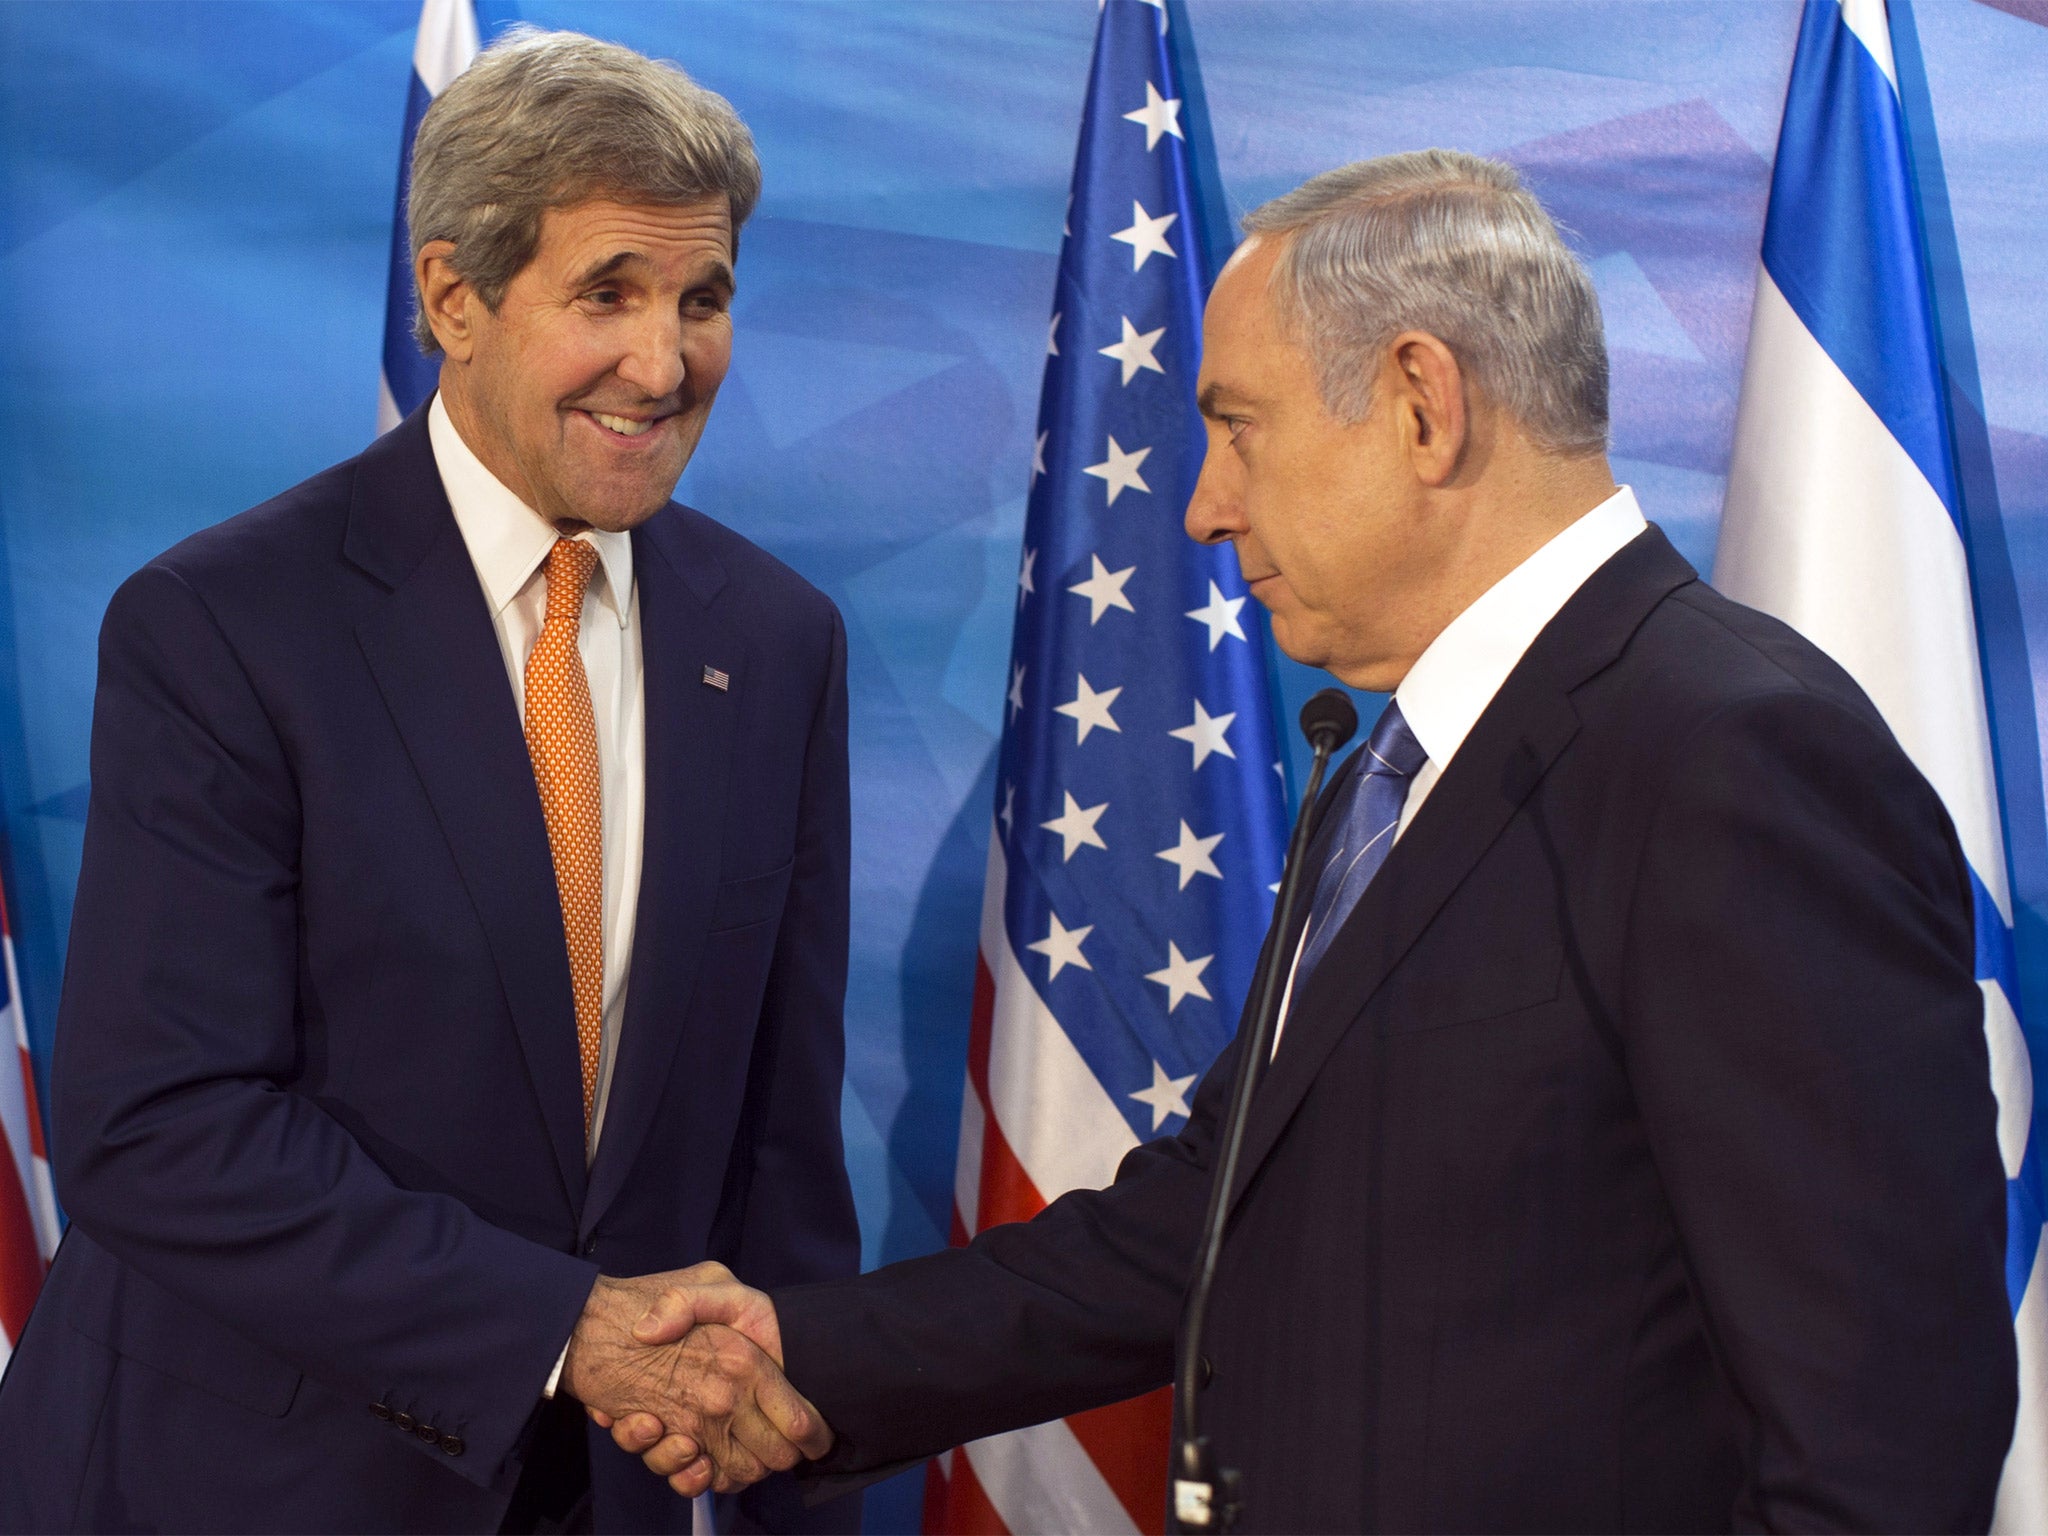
pixel 713 678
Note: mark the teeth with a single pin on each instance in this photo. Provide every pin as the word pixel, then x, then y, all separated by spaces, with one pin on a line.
pixel 622 424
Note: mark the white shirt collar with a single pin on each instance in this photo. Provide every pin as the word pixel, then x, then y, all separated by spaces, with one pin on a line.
pixel 507 539
pixel 1452 682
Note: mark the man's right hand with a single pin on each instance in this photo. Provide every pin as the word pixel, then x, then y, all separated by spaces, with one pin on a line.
pixel 688 1305
pixel 704 1406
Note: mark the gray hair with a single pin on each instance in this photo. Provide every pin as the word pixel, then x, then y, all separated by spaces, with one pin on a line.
pixel 1453 245
pixel 547 119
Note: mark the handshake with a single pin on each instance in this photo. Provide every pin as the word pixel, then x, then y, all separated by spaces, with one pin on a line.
pixel 685 1370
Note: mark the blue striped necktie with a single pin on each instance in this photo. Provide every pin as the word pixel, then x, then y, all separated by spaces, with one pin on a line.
pixel 1372 810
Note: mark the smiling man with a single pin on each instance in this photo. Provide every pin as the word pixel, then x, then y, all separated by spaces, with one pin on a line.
pixel 462 924
pixel 1627 1160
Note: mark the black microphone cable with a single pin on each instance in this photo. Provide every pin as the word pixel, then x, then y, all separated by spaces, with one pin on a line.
pixel 1204 1497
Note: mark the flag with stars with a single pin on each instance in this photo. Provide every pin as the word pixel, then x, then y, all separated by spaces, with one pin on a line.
pixel 442 48
pixel 1140 814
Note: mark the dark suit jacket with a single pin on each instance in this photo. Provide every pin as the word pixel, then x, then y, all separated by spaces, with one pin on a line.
pixel 317 1111
pixel 1628 1164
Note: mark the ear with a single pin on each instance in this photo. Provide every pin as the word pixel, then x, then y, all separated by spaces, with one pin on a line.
pixel 446 299
pixel 1432 413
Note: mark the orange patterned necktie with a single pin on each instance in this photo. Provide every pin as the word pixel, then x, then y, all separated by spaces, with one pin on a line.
pixel 561 737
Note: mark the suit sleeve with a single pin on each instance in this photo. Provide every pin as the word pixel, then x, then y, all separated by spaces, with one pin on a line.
pixel 1031 1321
pixel 182 1146
pixel 1805 1038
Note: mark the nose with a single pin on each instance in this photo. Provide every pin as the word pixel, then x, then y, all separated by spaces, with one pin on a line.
pixel 1216 509
pixel 654 362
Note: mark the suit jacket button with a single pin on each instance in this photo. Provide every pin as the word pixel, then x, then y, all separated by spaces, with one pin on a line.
pixel 453 1445
pixel 405 1421
pixel 428 1433
pixel 382 1410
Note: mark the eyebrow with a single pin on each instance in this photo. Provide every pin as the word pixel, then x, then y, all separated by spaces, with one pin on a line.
pixel 1213 397
pixel 598 271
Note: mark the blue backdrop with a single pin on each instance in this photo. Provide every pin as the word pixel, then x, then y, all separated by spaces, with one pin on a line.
pixel 194 214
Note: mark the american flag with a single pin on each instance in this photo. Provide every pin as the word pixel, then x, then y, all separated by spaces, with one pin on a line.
pixel 1140 808
pixel 442 48
pixel 28 1206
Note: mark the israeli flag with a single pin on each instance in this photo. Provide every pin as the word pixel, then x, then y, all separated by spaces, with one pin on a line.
pixel 1843 519
pixel 441 50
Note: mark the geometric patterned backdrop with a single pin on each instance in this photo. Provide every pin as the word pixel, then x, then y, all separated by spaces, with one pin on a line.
pixel 194 215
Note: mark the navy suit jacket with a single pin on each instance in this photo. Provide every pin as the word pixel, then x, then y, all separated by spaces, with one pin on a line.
pixel 317 1113
pixel 1627 1164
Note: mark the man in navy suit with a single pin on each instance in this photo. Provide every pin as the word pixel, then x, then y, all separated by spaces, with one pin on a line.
pixel 462 923
pixel 1627 1159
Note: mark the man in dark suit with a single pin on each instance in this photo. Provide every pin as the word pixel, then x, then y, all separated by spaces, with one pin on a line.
pixel 463 914
pixel 1627 1158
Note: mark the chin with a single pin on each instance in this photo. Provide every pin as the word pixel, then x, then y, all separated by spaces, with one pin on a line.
pixel 1294 642
pixel 623 507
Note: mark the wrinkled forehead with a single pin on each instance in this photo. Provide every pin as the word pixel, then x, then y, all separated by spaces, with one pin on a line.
pixel 599 237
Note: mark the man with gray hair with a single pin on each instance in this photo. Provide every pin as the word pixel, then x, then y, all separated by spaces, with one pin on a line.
pixel 1627 1159
pixel 462 924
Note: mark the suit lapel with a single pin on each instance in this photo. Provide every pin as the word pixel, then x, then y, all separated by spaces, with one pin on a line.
pixel 431 647
pixel 1486 783
pixel 690 731
pixel 1510 749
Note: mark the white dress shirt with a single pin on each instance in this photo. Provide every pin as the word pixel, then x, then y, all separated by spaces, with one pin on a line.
pixel 1453 681
pixel 508 544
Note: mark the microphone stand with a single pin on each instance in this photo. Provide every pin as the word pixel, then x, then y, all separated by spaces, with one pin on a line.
pixel 1205 1498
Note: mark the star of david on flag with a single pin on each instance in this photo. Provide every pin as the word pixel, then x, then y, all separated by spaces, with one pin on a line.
pixel 1140 824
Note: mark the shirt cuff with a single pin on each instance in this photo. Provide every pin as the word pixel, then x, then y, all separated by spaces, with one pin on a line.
pixel 555 1376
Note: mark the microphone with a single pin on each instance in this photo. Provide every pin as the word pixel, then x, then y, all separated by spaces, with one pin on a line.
pixel 1204 1497
pixel 1328 721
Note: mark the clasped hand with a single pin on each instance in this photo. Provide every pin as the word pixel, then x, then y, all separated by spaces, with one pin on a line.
pixel 685 1370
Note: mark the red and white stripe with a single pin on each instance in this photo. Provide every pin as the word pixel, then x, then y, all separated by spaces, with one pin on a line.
pixel 1035 1122
pixel 28 1204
